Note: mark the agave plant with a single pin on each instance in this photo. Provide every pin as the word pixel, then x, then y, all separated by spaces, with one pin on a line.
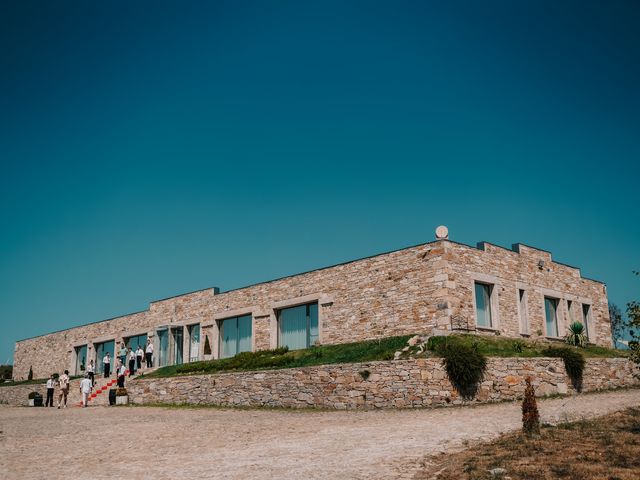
pixel 576 335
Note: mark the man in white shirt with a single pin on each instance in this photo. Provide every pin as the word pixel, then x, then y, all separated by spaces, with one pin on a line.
pixel 85 389
pixel 132 362
pixel 106 362
pixel 63 382
pixel 139 355
pixel 91 371
pixel 149 353
pixel 51 384
pixel 121 371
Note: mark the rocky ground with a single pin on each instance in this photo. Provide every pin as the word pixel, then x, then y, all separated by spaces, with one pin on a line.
pixel 168 443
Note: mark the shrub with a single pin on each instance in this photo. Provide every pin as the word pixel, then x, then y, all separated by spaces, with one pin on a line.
pixel 530 416
pixel 242 361
pixel 573 363
pixel 6 372
pixel 518 346
pixel 634 351
pixel 576 336
pixel 465 366
pixel 434 343
pixel 388 356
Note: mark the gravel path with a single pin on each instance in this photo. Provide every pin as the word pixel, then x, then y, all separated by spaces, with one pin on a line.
pixel 140 442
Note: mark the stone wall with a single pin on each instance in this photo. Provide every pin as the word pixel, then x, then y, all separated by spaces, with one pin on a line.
pixel 390 384
pixel 19 394
pixel 414 290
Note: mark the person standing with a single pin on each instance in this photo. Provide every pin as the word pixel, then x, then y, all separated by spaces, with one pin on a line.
pixel 139 355
pixel 63 383
pixel 106 362
pixel 91 371
pixel 121 371
pixel 132 362
pixel 85 389
pixel 149 353
pixel 51 385
pixel 123 353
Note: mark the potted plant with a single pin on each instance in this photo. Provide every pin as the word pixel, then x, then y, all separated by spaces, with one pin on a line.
pixel 35 399
pixel 122 397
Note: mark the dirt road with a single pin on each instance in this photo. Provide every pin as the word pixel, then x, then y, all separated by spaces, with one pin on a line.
pixel 140 442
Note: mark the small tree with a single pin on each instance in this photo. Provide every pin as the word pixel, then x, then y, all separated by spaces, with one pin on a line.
pixel 530 416
pixel 617 323
pixel 30 376
pixel 633 314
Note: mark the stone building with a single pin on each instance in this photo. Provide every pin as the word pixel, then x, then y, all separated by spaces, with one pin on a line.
pixel 437 286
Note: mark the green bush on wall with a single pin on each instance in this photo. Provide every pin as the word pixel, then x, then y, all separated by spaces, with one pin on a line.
pixel 465 365
pixel 573 363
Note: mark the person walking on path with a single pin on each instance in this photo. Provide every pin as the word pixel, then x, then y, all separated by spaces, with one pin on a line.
pixel 85 389
pixel 91 371
pixel 149 353
pixel 121 373
pixel 123 353
pixel 139 355
pixel 106 362
pixel 51 385
pixel 132 362
pixel 63 383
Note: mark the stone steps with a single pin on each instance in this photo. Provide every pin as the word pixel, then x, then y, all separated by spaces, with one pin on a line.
pixel 100 394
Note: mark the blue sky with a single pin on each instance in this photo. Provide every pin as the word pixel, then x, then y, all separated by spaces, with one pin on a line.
pixel 155 148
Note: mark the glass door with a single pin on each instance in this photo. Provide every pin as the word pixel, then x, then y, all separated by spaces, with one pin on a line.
pixel 194 343
pixel 101 350
pixel 177 336
pixel 81 359
pixel 163 347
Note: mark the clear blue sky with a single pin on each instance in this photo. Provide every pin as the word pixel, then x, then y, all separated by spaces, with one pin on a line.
pixel 154 148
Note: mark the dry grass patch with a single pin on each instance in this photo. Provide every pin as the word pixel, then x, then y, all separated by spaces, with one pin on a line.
pixel 606 448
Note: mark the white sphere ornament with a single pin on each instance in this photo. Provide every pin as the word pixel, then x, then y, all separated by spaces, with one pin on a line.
pixel 442 232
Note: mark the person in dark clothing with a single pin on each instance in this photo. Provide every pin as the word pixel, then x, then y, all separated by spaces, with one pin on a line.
pixel 149 353
pixel 51 384
pixel 106 362
pixel 120 374
pixel 139 356
pixel 132 362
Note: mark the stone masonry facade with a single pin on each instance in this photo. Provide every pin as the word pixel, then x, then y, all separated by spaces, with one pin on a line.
pixel 423 289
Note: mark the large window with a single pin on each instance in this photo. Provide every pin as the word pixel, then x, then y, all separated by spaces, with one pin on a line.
pixel 586 316
pixel 484 317
pixel 551 314
pixel 235 336
pixel 136 341
pixel 298 326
